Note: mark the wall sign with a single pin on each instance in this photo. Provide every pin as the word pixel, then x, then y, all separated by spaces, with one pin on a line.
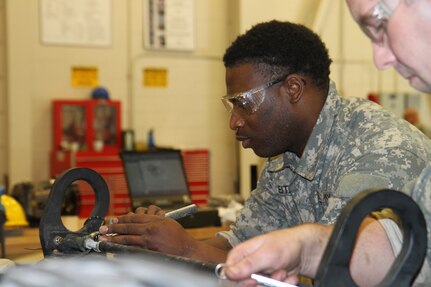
pixel 155 77
pixel 77 22
pixel 169 25
pixel 84 77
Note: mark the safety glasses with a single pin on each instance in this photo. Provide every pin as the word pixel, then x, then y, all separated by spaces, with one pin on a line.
pixel 248 101
pixel 374 23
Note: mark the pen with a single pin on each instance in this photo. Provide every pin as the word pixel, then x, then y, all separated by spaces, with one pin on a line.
pixel 261 280
pixel 182 212
pixel 269 282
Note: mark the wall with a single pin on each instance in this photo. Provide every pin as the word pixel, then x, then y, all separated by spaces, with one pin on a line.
pixel 39 73
pixel 186 114
pixel 3 97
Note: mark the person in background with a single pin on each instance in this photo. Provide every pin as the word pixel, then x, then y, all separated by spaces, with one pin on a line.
pixel 399 31
pixel 412 116
pixel 322 148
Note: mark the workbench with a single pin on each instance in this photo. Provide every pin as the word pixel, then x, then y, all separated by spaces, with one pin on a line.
pixel 24 246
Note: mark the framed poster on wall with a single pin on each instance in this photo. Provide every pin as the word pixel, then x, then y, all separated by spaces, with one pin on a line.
pixel 77 22
pixel 169 25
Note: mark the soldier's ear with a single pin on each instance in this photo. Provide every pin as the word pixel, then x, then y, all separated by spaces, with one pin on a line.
pixel 294 87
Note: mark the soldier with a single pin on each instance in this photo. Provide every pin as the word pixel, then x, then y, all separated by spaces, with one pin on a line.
pixel 399 32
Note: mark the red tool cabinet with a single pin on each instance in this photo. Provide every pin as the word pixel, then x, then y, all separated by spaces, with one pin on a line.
pixel 87 133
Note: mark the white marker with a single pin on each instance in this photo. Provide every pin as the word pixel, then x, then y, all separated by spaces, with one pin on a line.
pixel 182 212
pixel 269 282
pixel 261 280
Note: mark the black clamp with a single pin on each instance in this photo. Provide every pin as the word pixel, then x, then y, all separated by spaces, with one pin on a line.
pixel 55 238
pixel 334 268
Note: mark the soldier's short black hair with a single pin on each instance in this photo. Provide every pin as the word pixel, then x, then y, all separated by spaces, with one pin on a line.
pixel 281 48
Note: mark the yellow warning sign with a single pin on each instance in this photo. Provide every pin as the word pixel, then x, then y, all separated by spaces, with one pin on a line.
pixel 85 77
pixel 155 77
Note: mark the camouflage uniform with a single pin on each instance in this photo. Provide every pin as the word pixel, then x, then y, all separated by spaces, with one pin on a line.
pixel 420 191
pixel 355 145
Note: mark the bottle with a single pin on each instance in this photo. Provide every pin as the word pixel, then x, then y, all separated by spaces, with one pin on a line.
pixel 150 141
pixel 128 140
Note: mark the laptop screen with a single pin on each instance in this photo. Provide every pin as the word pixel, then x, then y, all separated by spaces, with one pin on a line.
pixel 156 177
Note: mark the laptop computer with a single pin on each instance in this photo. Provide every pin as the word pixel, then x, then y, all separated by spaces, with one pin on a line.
pixel 156 177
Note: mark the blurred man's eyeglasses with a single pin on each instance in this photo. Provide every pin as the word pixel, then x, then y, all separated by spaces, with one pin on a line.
pixel 250 100
pixel 375 21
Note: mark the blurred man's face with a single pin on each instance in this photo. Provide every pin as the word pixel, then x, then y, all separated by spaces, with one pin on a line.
pixel 400 32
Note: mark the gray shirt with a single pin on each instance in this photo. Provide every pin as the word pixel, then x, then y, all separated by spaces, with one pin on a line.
pixel 354 145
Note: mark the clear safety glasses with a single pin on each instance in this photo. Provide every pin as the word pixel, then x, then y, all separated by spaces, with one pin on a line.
pixel 248 101
pixel 375 21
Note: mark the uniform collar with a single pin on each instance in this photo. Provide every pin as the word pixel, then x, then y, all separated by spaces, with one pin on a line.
pixel 307 165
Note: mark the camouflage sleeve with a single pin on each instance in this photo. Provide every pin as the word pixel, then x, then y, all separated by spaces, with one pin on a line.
pixel 421 194
pixel 384 168
pixel 393 225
